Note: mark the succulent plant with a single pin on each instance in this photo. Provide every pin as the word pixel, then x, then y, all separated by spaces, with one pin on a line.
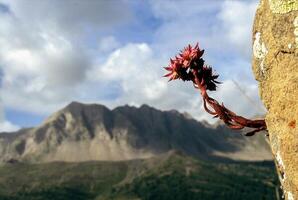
pixel 189 65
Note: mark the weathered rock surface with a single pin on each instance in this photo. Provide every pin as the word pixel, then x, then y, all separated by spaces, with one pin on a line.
pixel 275 65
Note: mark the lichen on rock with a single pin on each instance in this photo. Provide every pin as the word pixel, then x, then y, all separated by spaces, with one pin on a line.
pixel 260 51
pixel 283 6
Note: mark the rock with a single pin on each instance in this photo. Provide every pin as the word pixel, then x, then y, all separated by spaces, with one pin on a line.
pixel 83 132
pixel 275 65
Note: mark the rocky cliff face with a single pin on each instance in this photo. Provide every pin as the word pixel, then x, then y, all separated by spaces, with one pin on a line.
pixel 82 132
pixel 275 65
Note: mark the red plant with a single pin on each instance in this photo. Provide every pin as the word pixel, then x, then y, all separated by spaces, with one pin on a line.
pixel 188 65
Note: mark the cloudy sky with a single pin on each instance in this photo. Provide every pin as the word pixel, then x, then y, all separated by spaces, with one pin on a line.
pixel 112 52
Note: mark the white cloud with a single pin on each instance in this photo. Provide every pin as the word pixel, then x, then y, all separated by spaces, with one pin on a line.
pixel 236 18
pixel 218 26
pixel 134 67
pixel 6 126
pixel 43 54
pixel 138 72
pixel 244 103
pixel 185 22
pixel 47 60
pixel 47 74
pixel 224 31
pixel 72 17
pixel 107 44
pixel 243 100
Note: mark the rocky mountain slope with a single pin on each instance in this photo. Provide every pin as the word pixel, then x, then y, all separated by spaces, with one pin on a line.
pixel 84 132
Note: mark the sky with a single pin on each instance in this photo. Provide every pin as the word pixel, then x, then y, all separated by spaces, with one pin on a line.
pixel 113 52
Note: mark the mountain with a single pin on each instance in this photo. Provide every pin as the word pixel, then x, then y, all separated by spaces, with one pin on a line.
pixel 85 132
pixel 87 151
pixel 168 176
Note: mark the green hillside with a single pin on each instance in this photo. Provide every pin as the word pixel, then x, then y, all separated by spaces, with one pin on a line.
pixel 170 176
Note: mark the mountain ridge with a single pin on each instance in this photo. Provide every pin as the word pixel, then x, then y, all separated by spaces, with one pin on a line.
pixel 82 132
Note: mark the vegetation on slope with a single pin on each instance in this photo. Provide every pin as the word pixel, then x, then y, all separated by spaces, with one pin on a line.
pixel 171 176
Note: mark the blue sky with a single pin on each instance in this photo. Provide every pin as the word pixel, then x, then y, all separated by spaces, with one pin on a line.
pixel 112 53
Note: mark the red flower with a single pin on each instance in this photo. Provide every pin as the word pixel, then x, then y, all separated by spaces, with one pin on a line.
pixel 189 61
pixel 174 69
pixel 190 53
pixel 188 58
